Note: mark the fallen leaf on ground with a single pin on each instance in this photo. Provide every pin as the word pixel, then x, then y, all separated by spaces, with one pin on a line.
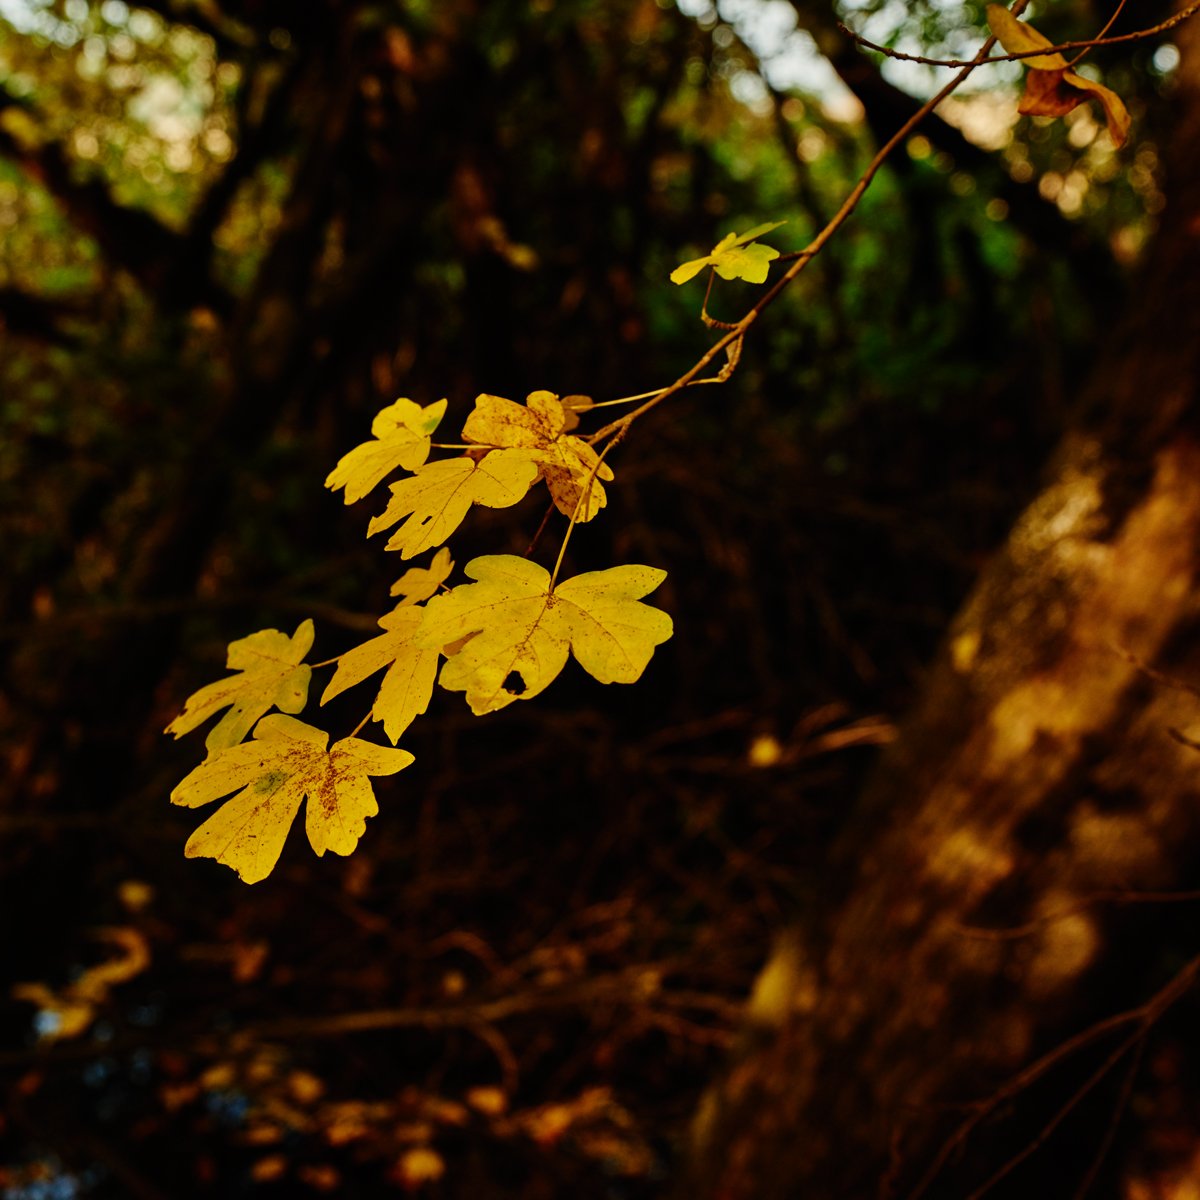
pixel 69 1012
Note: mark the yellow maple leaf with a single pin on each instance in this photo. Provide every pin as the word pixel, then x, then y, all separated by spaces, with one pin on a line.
pixel 436 499
pixel 1052 89
pixel 270 674
pixel 734 258
pixel 568 464
pixel 417 584
pixel 521 627
pixel 412 669
pixel 286 761
pixel 499 422
pixel 401 438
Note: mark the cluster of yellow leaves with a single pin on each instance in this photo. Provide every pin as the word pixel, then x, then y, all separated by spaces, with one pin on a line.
pixel 734 258
pixel 1052 89
pixel 508 623
pixel 505 636
pixel 518 446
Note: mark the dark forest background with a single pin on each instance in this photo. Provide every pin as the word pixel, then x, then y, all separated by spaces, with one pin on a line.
pixel 230 232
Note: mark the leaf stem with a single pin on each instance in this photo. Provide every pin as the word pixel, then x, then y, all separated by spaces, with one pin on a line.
pixel 581 503
pixel 537 537
pixel 355 731
pixel 648 395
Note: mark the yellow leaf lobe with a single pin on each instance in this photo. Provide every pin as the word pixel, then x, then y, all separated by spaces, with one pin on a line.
pixel 436 499
pixel 271 673
pixel 401 439
pixel 407 687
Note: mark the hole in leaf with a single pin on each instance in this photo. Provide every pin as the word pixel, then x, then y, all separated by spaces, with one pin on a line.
pixel 514 684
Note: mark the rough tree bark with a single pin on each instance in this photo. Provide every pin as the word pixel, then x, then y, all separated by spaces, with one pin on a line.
pixel 1038 771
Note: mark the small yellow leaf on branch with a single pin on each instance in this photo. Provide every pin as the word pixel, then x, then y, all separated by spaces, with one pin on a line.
pixel 436 499
pixel 412 670
pixel 1052 89
pixel 520 627
pixel 402 433
pixel 734 258
pixel 271 674
pixel 286 762
pixel 540 426
pixel 417 584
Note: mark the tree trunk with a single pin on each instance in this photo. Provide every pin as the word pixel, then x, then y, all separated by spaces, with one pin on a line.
pixel 1039 770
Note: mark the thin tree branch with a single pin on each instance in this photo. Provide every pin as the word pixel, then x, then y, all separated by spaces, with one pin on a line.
pixel 814 247
pixel 1143 1017
pixel 621 988
pixel 1085 44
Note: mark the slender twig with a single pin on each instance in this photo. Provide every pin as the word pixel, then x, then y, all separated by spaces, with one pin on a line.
pixel 795 254
pixel 1085 1184
pixel 1107 26
pixel 648 395
pixel 1143 1017
pixel 621 987
pixel 712 322
pixel 813 248
pixel 581 504
pixel 1015 932
pixel 1060 1116
pixel 1179 685
pixel 537 537
pixel 1088 44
